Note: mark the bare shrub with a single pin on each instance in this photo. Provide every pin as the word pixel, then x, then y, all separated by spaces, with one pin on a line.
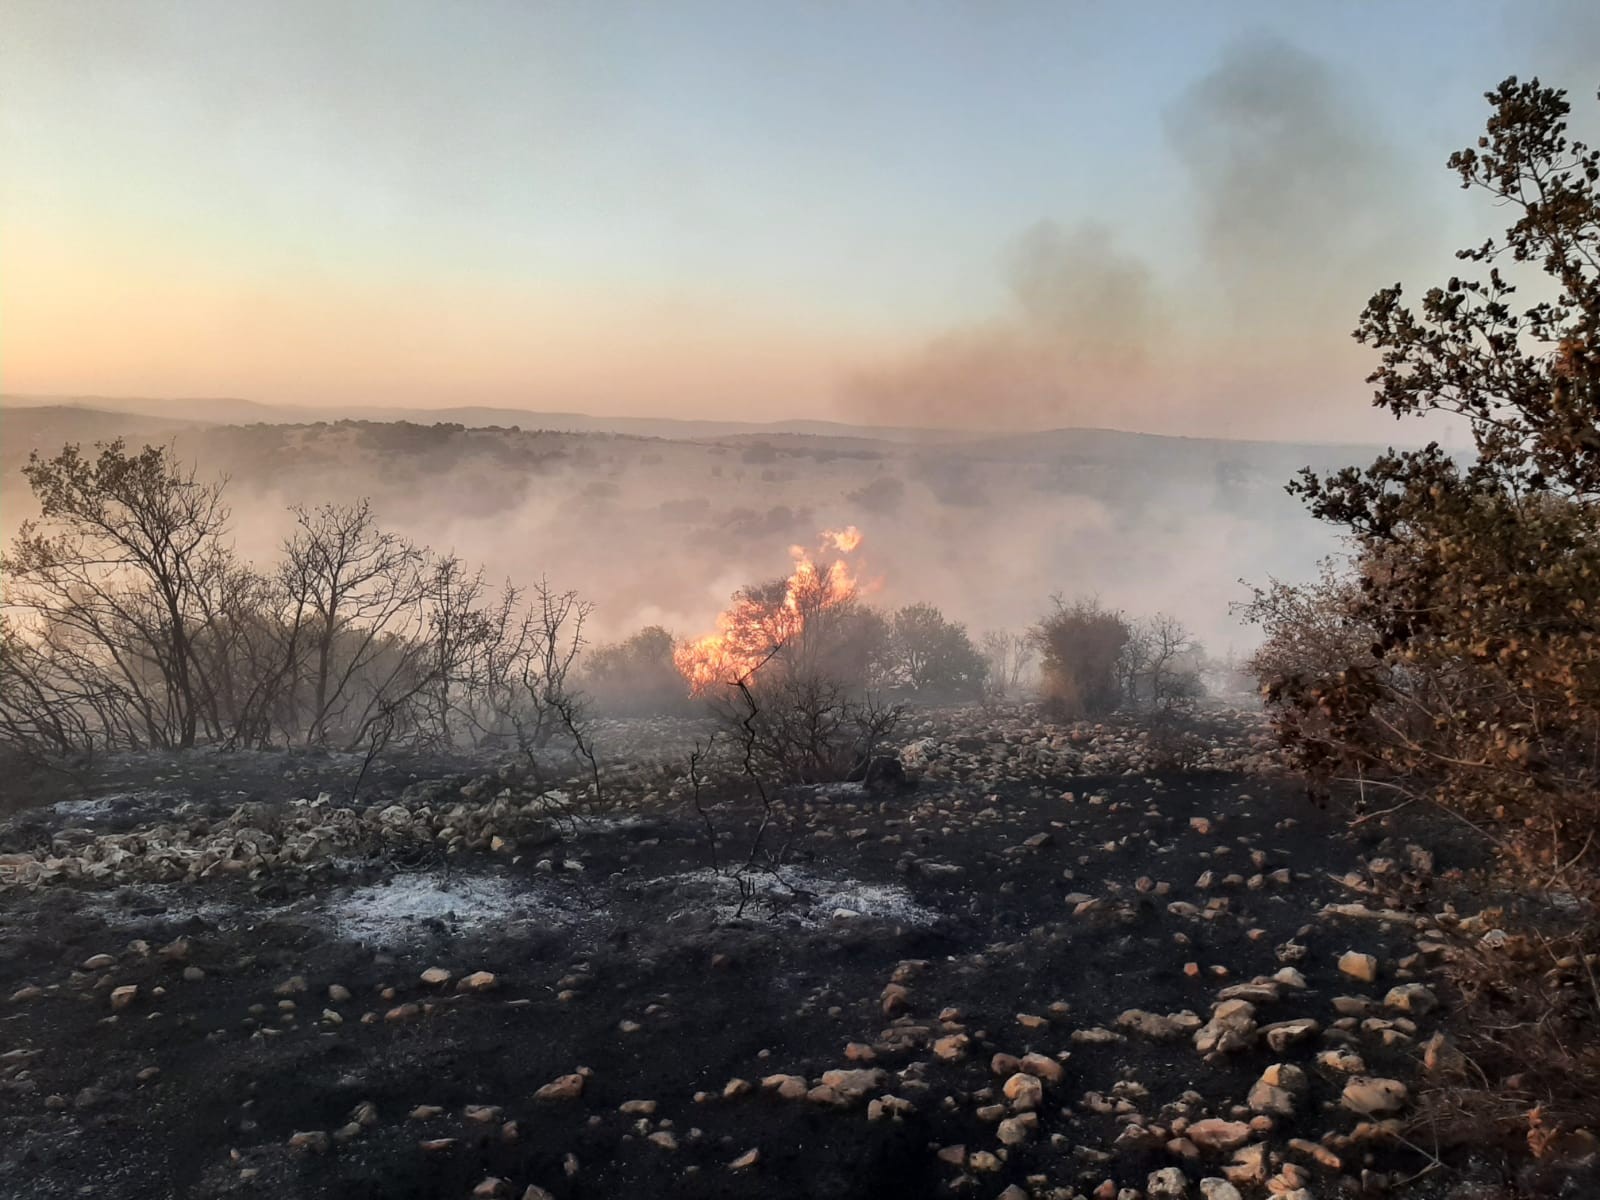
pixel 1010 656
pixel 114 584
pixel 1175 660
pixel 802 727
pixel 356 599
pixel 130 623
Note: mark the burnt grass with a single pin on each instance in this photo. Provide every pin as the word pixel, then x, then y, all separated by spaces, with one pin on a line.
pixel 635 970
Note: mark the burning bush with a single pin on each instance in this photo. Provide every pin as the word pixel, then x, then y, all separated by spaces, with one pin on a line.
pixel 791 669
pixel 803 727
pixel 813 619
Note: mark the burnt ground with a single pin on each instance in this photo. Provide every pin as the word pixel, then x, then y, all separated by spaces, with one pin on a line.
pixel 1018 911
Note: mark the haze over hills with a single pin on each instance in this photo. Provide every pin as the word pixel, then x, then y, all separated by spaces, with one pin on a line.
pixel 659 520
pixel 228 410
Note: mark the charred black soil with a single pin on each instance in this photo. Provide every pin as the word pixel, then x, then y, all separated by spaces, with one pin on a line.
pixel 282 1041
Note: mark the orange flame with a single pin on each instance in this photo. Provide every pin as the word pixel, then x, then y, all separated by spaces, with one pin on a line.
pixel 752 629
pixel 843 540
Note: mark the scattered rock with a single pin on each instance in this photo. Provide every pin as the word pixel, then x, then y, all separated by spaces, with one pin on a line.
pixel 1013 1131
pixel 1411 998
pixel 1371 1096
pixel 567 1087
pixel 1157 1027
pixel 1042 1067
pixel 1218 1136
pixel 1024 1091
pixel 853 1085
pixel 1359 966
pixel 1232 1027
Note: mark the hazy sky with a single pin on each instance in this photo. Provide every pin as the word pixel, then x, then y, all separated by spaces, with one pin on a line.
pixel 1154 216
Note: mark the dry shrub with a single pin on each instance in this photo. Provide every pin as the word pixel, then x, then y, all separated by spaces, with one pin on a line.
pixel 1522 1075
pixel 1458 663
pixel 1080 645
pixel 804 727
pixel 1460 658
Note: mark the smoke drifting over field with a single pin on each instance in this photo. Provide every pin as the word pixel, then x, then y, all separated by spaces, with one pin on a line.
pixel 1296 209
pixel 665 530
pixel 1083 326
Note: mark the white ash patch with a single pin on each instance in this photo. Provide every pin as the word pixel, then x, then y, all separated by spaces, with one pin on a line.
pixel 804 897
pixel 839 791
pixel 594 824
pixel 179 903
pixel 98 808
pixel 406 906
pixel 85 810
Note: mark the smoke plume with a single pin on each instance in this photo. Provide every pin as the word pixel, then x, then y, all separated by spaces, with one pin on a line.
pixel 1082 319
pixel 1296 209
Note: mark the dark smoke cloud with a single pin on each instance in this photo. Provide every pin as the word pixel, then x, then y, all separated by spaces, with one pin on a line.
pixel 1300 201
pixel 1080 323
pixel 1299 210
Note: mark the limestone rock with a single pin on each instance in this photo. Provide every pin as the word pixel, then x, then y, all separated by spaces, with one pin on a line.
pixel 1412 998
pixel 1232 1027
pixel 1024 1091
pixel 1217 1135
pixel 478 981
pixel 854 1084
pixel 1371 1096
pixel 567 1087
pixel 1359 966
pixel 1166 1184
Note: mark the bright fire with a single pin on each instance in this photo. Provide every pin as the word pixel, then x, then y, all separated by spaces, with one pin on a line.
pixel 752 628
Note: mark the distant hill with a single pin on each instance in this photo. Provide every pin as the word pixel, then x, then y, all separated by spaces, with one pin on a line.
pixel 1031 445
pixel 224 410
pixel 49 427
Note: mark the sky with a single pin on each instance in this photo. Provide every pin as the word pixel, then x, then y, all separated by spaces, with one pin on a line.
pixel 1157 216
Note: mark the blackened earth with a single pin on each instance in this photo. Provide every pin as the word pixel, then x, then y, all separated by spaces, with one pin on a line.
pixel 1007 911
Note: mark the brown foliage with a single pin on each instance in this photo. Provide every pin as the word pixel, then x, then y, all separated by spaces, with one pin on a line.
pixel 1476 585
pixel 1079 648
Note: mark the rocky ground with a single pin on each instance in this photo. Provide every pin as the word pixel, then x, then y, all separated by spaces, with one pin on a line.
pixel 1064 961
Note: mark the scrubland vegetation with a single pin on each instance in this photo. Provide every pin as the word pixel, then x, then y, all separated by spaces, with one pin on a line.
pixel 1438 685
pixel 131 622
pixel 1453 658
